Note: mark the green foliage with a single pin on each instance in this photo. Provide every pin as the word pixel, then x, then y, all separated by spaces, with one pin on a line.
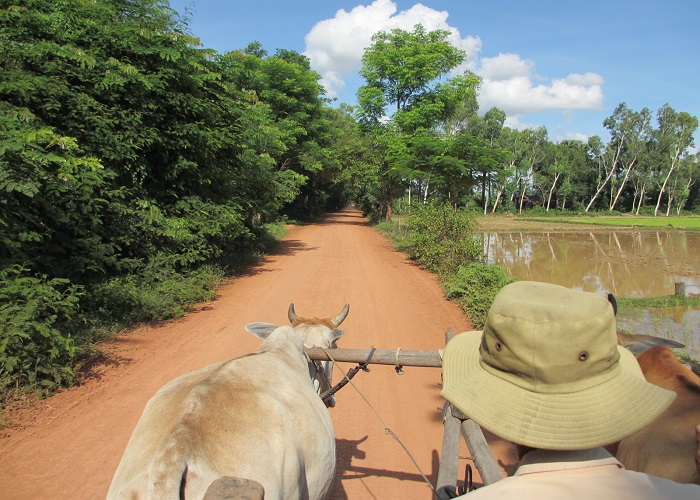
pixel 157 293
pixel 661 301
pixel 440 238
pixel 133 163
pixel 474 286
pixel 405 64
pixel 404 69
pixel 36 346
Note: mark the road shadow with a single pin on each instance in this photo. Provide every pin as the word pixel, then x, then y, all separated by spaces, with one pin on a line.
pixel 346 217
pixel 284 248
pixel 94 365
pixel 349 457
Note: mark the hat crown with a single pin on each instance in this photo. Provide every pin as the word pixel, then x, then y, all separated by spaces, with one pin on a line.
pixel 550 339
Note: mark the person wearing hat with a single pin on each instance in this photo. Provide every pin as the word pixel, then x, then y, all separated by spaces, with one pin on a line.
pixel 547 374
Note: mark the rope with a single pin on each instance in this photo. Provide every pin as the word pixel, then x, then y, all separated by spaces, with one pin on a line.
pixel 387 430
pixel 398 367
pixel 351 373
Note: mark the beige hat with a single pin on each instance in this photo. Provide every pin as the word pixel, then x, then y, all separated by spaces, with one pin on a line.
pixel 547 371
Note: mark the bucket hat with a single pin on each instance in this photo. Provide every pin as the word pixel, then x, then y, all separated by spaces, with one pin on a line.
pixel 547 371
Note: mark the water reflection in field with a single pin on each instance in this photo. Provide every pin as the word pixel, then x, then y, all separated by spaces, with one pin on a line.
pixel 627 263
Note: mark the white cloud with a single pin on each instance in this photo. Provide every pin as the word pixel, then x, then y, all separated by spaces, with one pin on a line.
pixel 576 136
pixel 505 67
pixel 509 84
pixel 516 122
pixel 335 46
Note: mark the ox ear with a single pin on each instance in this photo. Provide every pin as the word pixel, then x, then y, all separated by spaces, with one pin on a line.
pixel 335 335
pixel 261 330
pixel 640 343
pixel 613 302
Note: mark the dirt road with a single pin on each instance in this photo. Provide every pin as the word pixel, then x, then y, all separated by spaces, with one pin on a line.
pixel 74 442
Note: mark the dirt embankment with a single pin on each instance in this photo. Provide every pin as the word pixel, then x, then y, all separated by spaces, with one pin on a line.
pixel 497 223
pixel 71 443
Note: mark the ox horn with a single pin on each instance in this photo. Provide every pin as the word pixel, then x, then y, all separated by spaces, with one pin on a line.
pixel 291 314
pixel 340 317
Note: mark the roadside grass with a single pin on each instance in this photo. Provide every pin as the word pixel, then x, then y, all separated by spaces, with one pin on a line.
pixel 657 302
pixel 687 222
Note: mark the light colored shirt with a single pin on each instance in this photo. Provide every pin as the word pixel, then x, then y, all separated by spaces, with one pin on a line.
pixel 585 474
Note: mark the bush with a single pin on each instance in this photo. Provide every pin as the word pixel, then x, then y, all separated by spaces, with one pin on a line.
pixel 474 286
pixel 36 346
pixel 157 293
pixel 440 238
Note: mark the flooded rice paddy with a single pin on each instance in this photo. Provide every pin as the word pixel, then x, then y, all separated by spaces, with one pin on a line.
pixel 627 263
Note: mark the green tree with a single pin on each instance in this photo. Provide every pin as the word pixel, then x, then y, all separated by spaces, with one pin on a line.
pixel 575 167
pixel 532 146
pixel 287 87
pixel 131 156
pixel 492 160
pixel 630 133
pixel 674 137
pixel 403 69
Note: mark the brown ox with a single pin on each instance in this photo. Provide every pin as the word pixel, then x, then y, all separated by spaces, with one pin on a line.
pixel 253 419
pixel 670 446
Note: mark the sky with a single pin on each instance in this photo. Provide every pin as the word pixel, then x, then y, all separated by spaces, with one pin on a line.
pixel 563 64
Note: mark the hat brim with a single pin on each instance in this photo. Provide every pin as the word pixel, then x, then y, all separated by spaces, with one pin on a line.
pixel 593 417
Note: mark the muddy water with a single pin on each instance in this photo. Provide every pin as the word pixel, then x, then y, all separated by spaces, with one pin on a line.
pixel 627 263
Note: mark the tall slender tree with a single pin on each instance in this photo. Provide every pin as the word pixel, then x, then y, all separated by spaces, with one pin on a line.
pixel 674 137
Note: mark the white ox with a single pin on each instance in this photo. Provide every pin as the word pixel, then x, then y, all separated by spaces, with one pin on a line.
pixel 257 417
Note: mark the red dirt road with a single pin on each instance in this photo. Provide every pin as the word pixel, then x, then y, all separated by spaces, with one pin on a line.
pixel 75 439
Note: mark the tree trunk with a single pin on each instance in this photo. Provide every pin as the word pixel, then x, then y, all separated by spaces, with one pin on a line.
pixel 641 198
pixel 619 191
pixel 486 199
pixel 498 199
pixel 670 171
pixel 549 198
pixel 663 189
pixel 600 188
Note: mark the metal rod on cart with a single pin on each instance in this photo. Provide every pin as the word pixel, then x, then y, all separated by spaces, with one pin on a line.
pixel 400 357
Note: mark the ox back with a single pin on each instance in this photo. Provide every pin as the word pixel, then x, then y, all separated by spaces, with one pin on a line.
pixel 256 417
pixel 668 447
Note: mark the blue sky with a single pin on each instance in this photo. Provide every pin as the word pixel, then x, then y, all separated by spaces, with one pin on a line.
pixel 565 65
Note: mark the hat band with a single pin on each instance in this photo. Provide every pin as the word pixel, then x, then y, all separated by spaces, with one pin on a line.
pixel 606 370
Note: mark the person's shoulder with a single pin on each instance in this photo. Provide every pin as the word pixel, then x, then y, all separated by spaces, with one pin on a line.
pixel 666 488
